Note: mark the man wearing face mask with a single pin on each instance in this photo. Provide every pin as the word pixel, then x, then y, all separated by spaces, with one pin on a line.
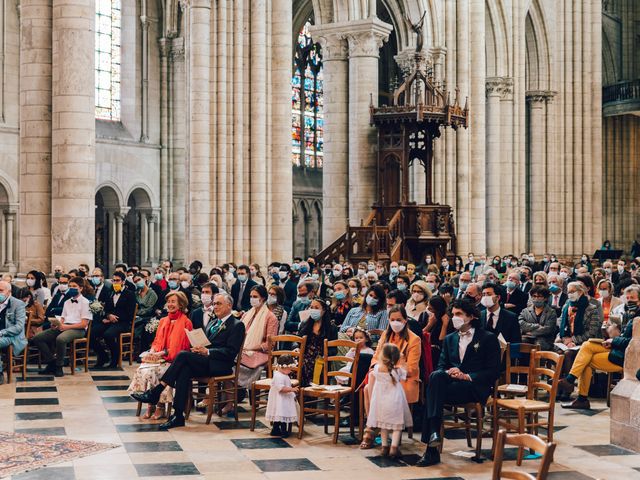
pixel 525 277
pixel 558 297
pixel 201 316
pixel 241 289
pixel 515 299
pixel 463 283
pixel 471 265
pixel 474 294
pixel 306 293
pixel 467 370
pixel 57 302
pixel 392 278
pixel 118 315
pixel 336 273
pixel 74 320
pixel 620 273
pixel 496 320
pixel 12 322
pixel 304 272
pixel 102 289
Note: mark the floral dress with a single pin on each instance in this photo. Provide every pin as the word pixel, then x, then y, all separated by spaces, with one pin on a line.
pixel 313 349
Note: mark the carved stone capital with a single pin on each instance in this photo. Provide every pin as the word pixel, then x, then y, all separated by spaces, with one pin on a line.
pixel 365 44
pixel 334 46
pixel 540 97
pixel 499 87
pixel 176 52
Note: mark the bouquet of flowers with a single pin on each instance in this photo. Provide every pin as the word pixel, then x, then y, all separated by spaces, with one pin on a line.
pixel 96 307
pixel 152 325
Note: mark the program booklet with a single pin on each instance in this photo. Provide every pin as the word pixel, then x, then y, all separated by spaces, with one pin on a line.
pixel 197 338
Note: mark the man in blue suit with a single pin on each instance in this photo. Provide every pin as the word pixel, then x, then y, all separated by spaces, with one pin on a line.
pixel 12 319
pixel 467 370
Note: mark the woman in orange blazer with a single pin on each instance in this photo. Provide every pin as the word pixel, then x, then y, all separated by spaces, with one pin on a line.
pixel 410 347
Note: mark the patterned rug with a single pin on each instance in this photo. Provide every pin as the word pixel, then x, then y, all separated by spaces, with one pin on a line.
pixel 22 452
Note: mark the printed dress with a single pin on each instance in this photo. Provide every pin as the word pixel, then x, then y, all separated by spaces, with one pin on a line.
pixel 281 407
pixel 389 408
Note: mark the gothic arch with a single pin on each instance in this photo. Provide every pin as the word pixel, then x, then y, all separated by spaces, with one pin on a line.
pixel 497 44
pixel 8 188
pixel 538 56
pixel 610 73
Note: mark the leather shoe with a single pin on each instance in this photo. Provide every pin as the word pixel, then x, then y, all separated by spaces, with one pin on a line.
pixel 434 440
pixel 150 397
pixel 100 363
pixel 173 422
pixel 49 369
pixel 565 388
pixel 58 372
pixel 431 457
pixel 578 404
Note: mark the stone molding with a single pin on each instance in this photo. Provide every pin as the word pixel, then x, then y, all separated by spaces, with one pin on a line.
pixel 536 97
pixel 364 37
pixel 499 87
pixel 334 46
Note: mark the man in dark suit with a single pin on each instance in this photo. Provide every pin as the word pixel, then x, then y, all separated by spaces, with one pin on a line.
pixel 57 302
pixel 201 316
pixel 226 335
pixel 558 297
pixel 525 279
pixel 467 370
pixel 103 290
pixel 118 315
pixel 515 300
pixel 620 273
pixel 498 320
pixel 241 289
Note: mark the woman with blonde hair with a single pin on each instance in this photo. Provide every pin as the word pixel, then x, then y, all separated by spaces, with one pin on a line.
pixel 419 299
pixel 170 340
pixel 605 296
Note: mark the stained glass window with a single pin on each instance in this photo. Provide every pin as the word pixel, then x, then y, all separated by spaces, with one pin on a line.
pixel 107 55
pixel 307 120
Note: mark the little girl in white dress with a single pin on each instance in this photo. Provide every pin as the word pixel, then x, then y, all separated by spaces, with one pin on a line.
pixel 389 409
pixel 281 404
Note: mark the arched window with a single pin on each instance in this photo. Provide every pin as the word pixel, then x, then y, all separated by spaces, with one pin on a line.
pixel 307 128
pixel 108 16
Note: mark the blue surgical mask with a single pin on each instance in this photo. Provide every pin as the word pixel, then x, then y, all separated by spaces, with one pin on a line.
pixel 96 281
pixel 394 270
pixel 3 297
pixel 372 302
pixel 510 285
pixel 402 287
pixel 340 295
pixel 172 284
pixel 140 285
pixel 295 266
pixel 73 292
pixel 464 285
pixel 554 288
pixel 303 300
pixel 158 276
pixel 242 277
pixel 315 313
pixel 304 269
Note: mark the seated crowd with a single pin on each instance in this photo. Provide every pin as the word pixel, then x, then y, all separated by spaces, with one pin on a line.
pixel 431 334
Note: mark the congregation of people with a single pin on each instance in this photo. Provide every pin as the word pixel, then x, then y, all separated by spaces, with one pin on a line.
pixel 428 334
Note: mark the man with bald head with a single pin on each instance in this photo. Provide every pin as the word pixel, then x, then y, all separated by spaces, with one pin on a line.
pixel 12 318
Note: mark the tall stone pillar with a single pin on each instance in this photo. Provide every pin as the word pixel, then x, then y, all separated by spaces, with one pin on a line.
pixel 177 166
pixel 119 217
pixel 335 171
pixel 9 228
pixel 365 38
pixel 152 220
pixel 281 172
pixel 73 133
pixel 537 195
pixel 494 173
pixel 35 135
pixel 199 179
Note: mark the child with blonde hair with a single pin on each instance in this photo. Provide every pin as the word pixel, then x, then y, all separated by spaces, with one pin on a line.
pixel 389 409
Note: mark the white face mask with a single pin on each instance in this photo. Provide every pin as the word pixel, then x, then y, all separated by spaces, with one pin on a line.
pixel 184 284
pixel 272 300
pixel 282 275
pixel 255 302
pixel 604 293
pixel 337 273
pixel 487 302
pixel 397 326
pixel 402 268
pixel 417 297
pixel 458 322
pixel 573 296
pixel 620 269
pixel 361 272
pixel 206 299
pixel 353 290
pixel 63 287
pixel 432 286
pixel 564 274
pixel 31 282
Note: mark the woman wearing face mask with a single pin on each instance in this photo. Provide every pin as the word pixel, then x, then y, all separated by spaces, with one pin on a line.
pixel 579 322
pixel 538 321
pixel 417 302
pixel 259 323
pixel 371 315
pixel 256 274
pixel 34 283
pixel 402 284
pixel 340 303
pixel 318 276
pixel 355 289
pixel 274 302
pixel 435 321
pixel 317 329
pixel 606 299
pixel 398 333
pixel 586 262
pixel 35 314
pixel 540 279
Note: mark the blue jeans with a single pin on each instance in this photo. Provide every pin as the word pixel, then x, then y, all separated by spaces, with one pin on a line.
pixel 4 343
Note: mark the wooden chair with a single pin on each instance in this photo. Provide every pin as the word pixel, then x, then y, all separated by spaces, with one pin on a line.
pixel 522 441
pixel 18 363
pixel 516 369
pixel 260 388
pixel 79 351
pixel 336 394
pixel 218 388
pixel 465 416
pixel 126 341
pixel 545 374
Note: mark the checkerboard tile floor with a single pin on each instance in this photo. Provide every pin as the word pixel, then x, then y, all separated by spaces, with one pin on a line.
pixel 95 406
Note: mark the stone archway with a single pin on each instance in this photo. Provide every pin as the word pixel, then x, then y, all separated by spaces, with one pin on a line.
pixel 135 229
pixel 7 231
pixel 108 221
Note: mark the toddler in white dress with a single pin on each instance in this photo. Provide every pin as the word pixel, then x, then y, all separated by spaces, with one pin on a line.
pixel 389 410
pixel 281 404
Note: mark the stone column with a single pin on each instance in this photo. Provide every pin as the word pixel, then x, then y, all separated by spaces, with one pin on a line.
pixel 494 172
pixel 35 135
pixel 537 194
pixel 178 168
pixel 365 38
pixel 199 180
pixel 10 220
pixel 152 219
pixel 144 97
pixel 335 171
pixel 281 172
pixel 73 133
pixel 119 216
pixel 165 229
